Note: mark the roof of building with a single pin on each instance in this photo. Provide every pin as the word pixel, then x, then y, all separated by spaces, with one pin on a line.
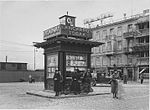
pixel 66 16
pixel 129 19
pixel 14 62
pixel 67 40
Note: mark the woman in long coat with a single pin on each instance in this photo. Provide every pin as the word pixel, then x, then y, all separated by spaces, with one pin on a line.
pixel 75 85
pixel 57 82
pixel 114 86
pixel 87 81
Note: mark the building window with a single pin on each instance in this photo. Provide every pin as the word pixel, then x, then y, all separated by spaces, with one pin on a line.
pixel 141 26
pixel 147 39
pixel 18 66
pixel 100 49
pixel 109 47
pixel 97 35
pixel 112 60
pixel 146 54
pixel 3 66
pixel 119 31
pixel 111 31
pixel 141 54
pixel 96 49
pixel 129 60
pixel 93 50
pixel 13 65
pixel 129 27
pixel 103 47
pixel 104 34
pixel 141 40
pixel 119 45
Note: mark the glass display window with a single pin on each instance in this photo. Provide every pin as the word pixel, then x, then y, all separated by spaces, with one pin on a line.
pixel 52 65
pixel 78 61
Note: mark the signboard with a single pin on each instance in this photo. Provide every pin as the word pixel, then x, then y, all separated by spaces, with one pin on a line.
pixel 71 31
pixel 54 31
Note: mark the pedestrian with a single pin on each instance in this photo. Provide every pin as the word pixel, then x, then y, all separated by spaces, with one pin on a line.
pixel 87 81
pixel 75 85
pixel 114 86
pixel 94 78
pixel 141 78
pixel 125 75
pixel 30 78
pixel 57 82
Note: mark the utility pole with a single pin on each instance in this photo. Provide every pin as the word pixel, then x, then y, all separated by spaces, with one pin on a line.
pixel 34 58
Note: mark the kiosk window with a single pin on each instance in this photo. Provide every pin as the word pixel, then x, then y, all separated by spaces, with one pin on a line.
pixel 52 65
pixel 76 61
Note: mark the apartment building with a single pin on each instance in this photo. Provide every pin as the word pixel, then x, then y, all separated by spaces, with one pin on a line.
pixel 126 46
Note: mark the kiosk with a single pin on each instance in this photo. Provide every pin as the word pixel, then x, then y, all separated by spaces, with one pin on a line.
pixel 66 47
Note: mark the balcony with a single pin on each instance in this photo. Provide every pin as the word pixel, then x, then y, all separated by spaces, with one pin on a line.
pixel 110 53
pixel 143 32
pixel 127 50
pixel 141 47
pixel 143 61
pixel 130 34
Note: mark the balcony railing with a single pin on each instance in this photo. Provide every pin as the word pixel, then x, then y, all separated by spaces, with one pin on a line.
pixel 109 53
pixel 127 50
pixel 141 47
pixel 143 59
pixel 130 34
pixel 143 32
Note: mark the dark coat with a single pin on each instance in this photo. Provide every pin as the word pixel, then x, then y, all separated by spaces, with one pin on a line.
pixel 114 85
pixel 75 85
pixel 87 78
pixel 57 82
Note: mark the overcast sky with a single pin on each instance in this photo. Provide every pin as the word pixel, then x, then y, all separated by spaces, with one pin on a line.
pixel 22 23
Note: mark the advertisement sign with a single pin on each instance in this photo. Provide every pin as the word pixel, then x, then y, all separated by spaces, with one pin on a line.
pixel 72 31
pixel 52 65
pixel 54 31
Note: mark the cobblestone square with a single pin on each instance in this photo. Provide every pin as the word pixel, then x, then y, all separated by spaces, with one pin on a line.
pixel 13 96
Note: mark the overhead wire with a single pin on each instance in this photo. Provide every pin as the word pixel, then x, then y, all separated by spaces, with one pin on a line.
pixel 15 43
pixel 3 42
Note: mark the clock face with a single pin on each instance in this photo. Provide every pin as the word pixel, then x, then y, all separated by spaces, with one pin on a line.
pixel 69 21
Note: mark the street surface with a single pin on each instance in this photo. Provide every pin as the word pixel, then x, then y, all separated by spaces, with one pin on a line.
pixel 13 96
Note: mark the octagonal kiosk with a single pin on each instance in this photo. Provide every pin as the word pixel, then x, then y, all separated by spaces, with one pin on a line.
pixel 66 47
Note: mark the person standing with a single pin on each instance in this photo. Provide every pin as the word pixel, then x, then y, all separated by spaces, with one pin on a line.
pixel 94 77
pixel 125 76
pixel 141 78
pixel 30 78
pixel 57 82
pixel 75 85
pixel 114 86
pixel 87 81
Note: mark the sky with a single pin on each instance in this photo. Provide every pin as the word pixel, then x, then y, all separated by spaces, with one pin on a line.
pixel 23 22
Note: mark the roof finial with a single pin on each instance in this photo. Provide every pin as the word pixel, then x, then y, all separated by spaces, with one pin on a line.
pixel 67 12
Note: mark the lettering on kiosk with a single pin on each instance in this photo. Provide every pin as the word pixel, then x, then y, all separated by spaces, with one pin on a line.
pixel 67 30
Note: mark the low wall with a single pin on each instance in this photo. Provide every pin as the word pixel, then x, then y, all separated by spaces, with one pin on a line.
pixel 16 76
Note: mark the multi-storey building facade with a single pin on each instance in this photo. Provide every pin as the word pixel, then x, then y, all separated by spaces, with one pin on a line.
pixel 126 46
